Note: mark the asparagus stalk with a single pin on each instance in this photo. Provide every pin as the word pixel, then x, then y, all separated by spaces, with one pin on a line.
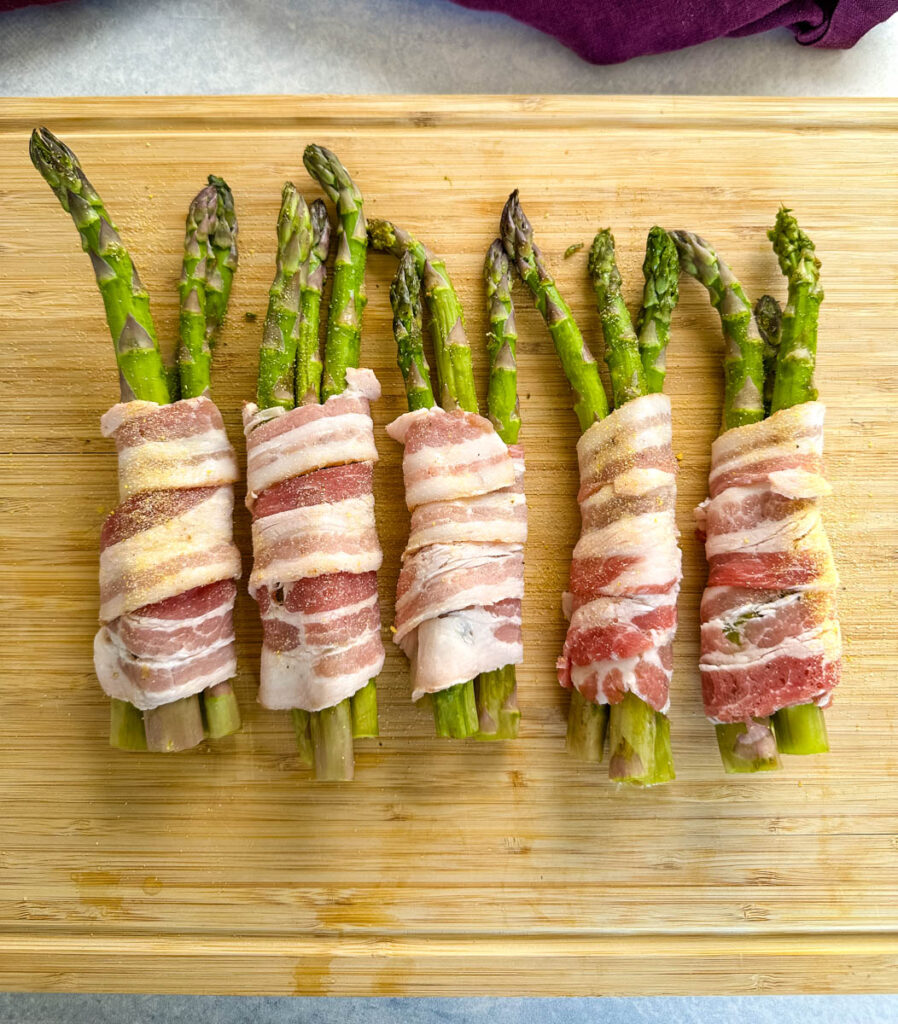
pixel 342 351
pixel 634 727
pixel 621 346
pixel 743 363
pixel 744 747
pixel 125 300
pixel 497 705
pixel 580 368
pixel 800 729
pixel 344 323
pixel 311 285
pixel 661 270
pixel 450 344
pixel 587 721
pixel 454 710
pixel 277 354
pixel 223 242
pixel 769 318
pixel 205 240
pixel 142 375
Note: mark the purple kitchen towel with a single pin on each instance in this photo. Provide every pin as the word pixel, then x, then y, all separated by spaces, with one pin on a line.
pixel 611 31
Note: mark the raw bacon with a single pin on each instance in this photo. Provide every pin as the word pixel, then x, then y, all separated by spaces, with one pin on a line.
pixel 310 475
pixel 626 568
pixel 770 634
pixel 458 600
pixel 167 556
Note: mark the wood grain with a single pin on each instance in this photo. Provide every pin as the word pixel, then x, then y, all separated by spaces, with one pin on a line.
pixel 446 868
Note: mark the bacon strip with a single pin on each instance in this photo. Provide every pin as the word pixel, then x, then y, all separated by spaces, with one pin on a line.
pixel 770 633
pixel 458 600
pixel 167 557
pixel 626 568
pixel 315 548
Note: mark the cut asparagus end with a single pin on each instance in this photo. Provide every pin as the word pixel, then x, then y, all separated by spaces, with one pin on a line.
pixel 631 729
pixel 302 723
pixel 586 727
pixel 801 730
pixel 497 704
pixel 126 729
pixel 455 711
pixel 744 750
pixel 364 712
pixel 175 726
pixel 663 768
pixel 331 731
pixel 221 711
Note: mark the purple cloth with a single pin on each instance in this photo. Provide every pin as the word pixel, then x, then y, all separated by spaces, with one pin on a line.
pixel 611 31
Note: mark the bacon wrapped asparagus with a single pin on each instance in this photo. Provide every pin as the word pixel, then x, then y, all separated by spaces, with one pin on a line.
pixel 617 658
pixel 771 647
pixel 165 649
pixel 310 486
pixel 458 606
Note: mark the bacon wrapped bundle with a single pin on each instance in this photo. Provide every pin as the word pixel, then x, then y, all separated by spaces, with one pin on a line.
pixel 626 569
pixel 315 547
pixel 458 600
pixel 167 556
pixel 770 635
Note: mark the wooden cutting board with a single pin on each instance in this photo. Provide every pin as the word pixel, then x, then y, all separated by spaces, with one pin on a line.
pixel 446 868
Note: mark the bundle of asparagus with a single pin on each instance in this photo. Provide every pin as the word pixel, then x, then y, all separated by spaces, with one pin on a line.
pixel 291 374
pixel 210 259
pixel 639 735
pixel 486 706
pixel 768 367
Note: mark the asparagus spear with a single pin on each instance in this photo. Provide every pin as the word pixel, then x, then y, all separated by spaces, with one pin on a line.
pixel 125 299
pixel 194 354
pixel 769 318
pixel 223 241
pixel 277 354
pixel 797 355
pixel 142 375
pixel 661 270
pixel 800 729
pixel 454 709
pixel 744 747
pixel 405 299
pixel 621 346
pixel 450 344
pixel 587 721
pixel 590 401
pixel 204 240
pixel 344 322
pixel 744 355
pixel 634 727
pixel 311 285
pixel 497 704
pixel 342 351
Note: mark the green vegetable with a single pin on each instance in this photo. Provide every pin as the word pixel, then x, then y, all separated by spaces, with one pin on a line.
pixel 590 401
pixel 639 736
pixel 497 703
pixel 142 374
pixel 621 347
pixel 344 322
pixel 454 709
pixel 661 270
pixel 743 364
pixel 277 353
pixel 800 729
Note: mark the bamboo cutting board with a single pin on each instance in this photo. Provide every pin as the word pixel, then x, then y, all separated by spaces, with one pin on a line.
pixel 446 868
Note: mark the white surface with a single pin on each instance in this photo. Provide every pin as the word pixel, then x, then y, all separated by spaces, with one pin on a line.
pixel 136 47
